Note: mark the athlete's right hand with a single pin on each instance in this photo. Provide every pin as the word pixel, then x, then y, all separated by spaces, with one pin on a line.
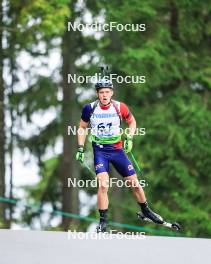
pixel 80 154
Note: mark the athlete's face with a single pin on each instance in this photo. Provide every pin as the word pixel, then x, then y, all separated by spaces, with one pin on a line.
pixel 104 95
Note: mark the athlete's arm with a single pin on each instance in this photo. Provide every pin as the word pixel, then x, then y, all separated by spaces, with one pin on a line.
pixel 128 118
pixel 132 126
pixel 85 118
pixel 81 132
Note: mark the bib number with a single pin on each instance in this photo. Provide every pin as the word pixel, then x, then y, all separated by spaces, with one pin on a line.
pixel 104 129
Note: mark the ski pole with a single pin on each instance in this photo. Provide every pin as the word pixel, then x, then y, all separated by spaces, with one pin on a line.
pixel 136 163
pixel 89 169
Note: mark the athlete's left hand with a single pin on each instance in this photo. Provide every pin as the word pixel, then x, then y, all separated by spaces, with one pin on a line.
pixel 128 144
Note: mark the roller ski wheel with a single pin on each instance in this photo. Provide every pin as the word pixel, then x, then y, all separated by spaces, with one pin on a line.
pixel 176 226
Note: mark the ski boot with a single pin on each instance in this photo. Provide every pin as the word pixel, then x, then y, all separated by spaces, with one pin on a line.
pixel 102 226
pixel 147 214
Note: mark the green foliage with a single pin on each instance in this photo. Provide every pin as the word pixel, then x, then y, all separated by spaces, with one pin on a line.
pixel 26 101
pixel 47 191
pixel 41 19
pixel 49 188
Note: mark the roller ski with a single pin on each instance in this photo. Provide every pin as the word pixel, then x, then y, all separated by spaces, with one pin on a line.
pixel 102 227
pixel 146 214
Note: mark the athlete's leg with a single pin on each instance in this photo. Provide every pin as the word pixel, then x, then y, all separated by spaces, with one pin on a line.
pixel 124 166
pixel 132 181
pixel 101 169
pixel 138 192
pixel 102 195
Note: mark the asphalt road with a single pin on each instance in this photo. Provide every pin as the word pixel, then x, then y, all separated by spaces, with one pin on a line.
pixel 42 247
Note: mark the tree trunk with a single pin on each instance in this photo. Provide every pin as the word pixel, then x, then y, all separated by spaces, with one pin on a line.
pixel 174 18
pixel 69 114
pixel 11 143
pixel 2 131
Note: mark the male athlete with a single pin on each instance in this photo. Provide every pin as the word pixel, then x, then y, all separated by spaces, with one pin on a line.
pixel 104 116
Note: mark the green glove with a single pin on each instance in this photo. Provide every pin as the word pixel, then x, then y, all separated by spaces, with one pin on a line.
pixel 80 154
pixel 128 144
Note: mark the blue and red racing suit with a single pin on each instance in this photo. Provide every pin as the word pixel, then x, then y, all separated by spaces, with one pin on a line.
pixel 105 122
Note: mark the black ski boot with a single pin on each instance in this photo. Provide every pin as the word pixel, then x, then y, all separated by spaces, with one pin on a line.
pixel 146 212
pixel 102 226
pixel 103 221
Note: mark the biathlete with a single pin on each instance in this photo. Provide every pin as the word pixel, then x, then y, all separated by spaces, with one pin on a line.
pixel 104 116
